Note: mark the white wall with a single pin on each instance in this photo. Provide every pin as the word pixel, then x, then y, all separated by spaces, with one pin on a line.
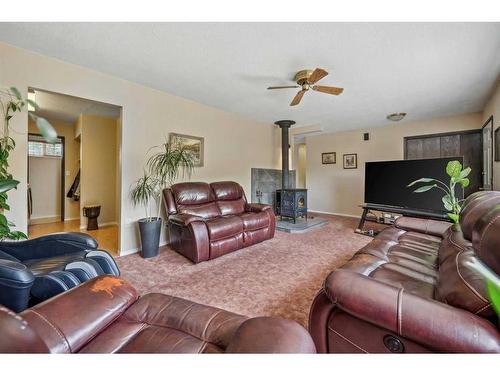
pixel 99 166
pixel 336 190
pixel 45 182
pixel 233 144
pixel 492 108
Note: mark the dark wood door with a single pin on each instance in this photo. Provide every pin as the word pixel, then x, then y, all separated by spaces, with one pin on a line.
pixel 467 144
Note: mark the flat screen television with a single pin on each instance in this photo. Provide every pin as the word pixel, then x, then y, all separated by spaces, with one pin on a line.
pixel 386 184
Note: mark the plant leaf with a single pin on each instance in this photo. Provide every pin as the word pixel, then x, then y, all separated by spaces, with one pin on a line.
pixel 454 217
pixel 33 104
pixel 425 179
pixel 9 184
pixel 465 173
pixel 494 294
pixel 448 204
pixel 464 182
pixel 16 93
pixel 453 168
pixel 425 188
pixel 48 132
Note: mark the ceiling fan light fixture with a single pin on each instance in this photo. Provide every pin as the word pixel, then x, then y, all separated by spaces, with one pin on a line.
pixel 396 116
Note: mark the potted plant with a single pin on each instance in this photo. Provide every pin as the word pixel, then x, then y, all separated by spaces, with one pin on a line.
pixel 164 167
pixel 144 192
pixel 458 176
pixel 11 103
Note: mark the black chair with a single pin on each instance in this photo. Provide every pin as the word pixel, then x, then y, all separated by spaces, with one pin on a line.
pixel 34 270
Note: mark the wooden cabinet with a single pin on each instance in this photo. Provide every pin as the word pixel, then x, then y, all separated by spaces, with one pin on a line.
pixel 467 144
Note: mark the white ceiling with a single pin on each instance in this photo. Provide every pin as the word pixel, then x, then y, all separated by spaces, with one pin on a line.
pixel 67 108
pixel 428 70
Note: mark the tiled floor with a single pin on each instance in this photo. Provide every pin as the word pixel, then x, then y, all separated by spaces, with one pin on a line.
pixel 107 236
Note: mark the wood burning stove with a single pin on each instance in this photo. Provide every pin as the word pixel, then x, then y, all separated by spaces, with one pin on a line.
pixel 290 203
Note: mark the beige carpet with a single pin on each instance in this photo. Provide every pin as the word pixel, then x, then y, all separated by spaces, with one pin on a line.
pixel 277 277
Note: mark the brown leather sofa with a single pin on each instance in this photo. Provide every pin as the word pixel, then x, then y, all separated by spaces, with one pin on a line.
pixel 209 220
pixel 105 315
pixel 413 290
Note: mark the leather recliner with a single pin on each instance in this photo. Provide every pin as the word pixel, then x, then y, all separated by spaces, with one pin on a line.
pixel 34 270
pixel 209 220
pixel 415 289
pixel 105 315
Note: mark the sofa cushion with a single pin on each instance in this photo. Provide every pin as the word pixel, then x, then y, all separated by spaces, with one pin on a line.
pixel 227 190
pixel 205 211
pixel 190 193
pixel 223 227
pixel 255 220
pixel 460 285
pixel 236 207
pixel 475 206
pixel 158 323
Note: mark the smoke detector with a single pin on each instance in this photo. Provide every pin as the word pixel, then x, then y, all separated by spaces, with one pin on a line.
pixel 396 116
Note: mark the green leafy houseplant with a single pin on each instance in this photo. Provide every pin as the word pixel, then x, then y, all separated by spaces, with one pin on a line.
pixel 164 167
pixel 167 163
pixel 458 176
pixel 11 103
pixel 144 191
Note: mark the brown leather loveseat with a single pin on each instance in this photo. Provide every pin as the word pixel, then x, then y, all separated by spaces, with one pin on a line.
pixel 413 288
pixel 209 220
pixel 105 315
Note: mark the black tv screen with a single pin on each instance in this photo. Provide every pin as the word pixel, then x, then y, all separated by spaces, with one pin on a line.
pixel 386 183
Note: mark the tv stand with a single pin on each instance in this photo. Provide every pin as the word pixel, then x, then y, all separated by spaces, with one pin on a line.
pixel 395 210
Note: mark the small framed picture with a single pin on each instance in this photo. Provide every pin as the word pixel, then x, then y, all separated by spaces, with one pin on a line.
pixel 328 158
pixel 193 144
pixel 350 161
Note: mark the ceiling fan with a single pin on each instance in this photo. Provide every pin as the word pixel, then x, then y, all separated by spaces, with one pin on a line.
pixel 306 80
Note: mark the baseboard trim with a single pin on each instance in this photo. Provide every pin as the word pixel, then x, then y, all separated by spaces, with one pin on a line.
pixel 334 214
pixel 108 224
pixel 137 249
pixel 44 220
pixel 72 218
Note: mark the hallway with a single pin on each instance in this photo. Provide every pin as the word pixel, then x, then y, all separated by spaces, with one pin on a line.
pixel 106 236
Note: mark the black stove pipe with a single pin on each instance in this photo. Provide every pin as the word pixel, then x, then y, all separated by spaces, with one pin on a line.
pixel 285 146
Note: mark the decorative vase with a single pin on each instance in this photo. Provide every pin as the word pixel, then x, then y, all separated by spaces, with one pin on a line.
pixel 150 231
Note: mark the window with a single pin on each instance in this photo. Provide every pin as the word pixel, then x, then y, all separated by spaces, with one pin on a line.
pixel 40 148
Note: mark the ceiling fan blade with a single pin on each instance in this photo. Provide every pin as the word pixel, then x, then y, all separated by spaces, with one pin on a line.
pixel 317 75
pixel 329 89
pixel 298 97
pixel 282 87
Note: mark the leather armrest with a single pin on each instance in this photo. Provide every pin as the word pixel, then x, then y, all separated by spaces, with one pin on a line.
pixel 184 219
pixel 68 321
pixel 16 281
pixel 48 246
pixel 271 335
pixel 431 323
pixel 257 207
pixel 427 226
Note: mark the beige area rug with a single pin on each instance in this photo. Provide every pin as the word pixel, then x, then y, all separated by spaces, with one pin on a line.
pixel 279 277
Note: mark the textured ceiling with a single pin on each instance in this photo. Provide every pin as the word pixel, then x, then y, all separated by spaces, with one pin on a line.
pixel 428 70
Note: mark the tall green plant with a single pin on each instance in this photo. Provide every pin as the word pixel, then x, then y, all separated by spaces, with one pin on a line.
pixel 11 103
pixel 458 176
pixel 168 162
pixel 144 191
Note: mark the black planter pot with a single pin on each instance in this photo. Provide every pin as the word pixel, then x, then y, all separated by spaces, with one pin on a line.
pixel 150 237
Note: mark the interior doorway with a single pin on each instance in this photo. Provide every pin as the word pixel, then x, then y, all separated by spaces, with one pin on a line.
pixel 46 185
pixel 77 178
